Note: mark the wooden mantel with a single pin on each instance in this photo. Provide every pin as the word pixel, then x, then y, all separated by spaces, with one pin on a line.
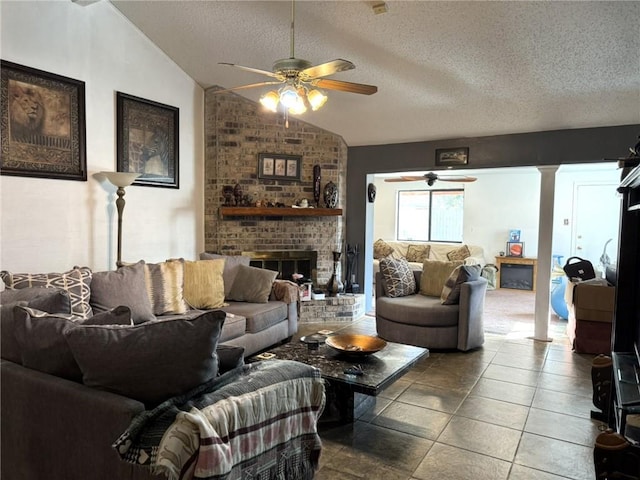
pixel 278 212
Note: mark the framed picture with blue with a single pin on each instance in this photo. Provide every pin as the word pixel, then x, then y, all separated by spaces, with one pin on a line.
pixel 148 141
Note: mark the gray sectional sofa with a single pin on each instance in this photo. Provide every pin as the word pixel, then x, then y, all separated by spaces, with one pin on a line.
pixel 60 421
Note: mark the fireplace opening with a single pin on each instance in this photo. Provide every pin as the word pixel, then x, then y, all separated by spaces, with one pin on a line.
pixel 516 276
pixel 286 262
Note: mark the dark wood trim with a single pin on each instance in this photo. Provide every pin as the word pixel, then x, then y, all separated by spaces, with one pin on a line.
pixel 278 212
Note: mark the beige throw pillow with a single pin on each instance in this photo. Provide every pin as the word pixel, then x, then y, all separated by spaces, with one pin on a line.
pixel 381 249
pixel 434 275
pixel 459 253
pixel 203 283
pixel 418 253
pixel 165 287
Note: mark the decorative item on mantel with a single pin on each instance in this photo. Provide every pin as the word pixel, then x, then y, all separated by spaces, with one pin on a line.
pixel 331 195
pixel 316 184
pixel 335 285
pixel 237 194
pixel 227 193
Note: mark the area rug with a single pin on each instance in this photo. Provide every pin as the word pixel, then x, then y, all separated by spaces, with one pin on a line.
pixel 509 311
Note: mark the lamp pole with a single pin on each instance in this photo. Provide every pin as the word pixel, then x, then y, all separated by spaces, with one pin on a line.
pixel 120 180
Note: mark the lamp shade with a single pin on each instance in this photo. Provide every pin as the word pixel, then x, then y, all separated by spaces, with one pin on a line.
pixel 121 179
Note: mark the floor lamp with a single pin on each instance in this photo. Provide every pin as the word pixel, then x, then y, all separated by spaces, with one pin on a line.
pixel 120 180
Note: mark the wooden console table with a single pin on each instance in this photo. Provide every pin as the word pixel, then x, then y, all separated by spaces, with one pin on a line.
pixel 517 261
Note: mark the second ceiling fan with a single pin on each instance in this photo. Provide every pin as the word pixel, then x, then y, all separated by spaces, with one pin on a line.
pixel 301 80
pixel 431 178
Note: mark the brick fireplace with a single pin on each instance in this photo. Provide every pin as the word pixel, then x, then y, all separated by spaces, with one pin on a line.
pixel 237 130
pixel 286 262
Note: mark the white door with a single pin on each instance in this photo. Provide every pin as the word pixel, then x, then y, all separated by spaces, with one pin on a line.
pixel 596 221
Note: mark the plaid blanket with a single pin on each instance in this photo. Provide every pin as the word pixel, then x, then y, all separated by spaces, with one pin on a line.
pixel 257 421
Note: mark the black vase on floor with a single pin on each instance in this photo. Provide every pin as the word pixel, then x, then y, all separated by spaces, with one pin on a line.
pixel 335 285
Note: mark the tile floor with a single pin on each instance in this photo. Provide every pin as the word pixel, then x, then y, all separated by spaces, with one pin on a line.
pixel 515 409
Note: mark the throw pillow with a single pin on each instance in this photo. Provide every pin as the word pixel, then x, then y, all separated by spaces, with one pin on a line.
pixel 463 273
pixel 9 346
pixel 76 282
pixel 418 253
pixel 229 357
pixel 434 274
pixel 52 300
pixel 43 347
pixel 252 285
pixel 150 362
pixel 231 264
pixel 398 277
pixel 204 283
pixel 459 253
pixel 165 287
pixel 125 286
pixel 381 249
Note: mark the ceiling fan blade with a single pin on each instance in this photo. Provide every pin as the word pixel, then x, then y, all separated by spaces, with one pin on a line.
pixel 250 69
pixel 242 87
pixel 462 178
pixel 344 86
pixel 404 179
pixel 326 69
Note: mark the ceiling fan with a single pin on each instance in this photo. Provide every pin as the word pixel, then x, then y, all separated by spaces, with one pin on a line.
pixel 301 80
pixel 431 178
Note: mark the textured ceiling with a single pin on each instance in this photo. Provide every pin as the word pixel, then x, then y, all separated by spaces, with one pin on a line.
pixel 443 69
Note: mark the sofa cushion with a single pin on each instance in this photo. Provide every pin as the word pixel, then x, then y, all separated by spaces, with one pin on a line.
pixel 77 282
pixel 124 286
pixel 204 283
pixel 43 347
pixel 165 287
pixel 451 291
pixel 418 253
pixel 231 264
pixel 381 249
pixel 434 274
pixel 234 325
pixel 52 300
pixel 459 253
pixel 398 277
pixel 418 310
pixel 252 284
pixel 259 316
pixel 150 362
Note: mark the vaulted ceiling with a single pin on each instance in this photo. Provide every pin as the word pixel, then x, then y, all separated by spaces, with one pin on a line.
pixel 443 69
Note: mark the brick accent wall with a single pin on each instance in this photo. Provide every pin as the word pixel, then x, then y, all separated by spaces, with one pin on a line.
pixel 236 131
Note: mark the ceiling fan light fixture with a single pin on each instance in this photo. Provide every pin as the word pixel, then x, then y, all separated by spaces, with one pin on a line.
pixel 299 107
pixel 316 99
pixel 270 100
pixel 289 96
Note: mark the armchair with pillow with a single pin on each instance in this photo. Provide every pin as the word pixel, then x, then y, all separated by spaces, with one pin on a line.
pixel 438 307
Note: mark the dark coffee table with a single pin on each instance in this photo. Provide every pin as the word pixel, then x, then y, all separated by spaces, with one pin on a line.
pixel 348 396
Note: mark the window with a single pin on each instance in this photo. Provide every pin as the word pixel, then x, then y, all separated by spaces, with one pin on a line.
pixel 430 215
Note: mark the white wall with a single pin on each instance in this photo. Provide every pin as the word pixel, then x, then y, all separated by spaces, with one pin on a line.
pixel 52 225
pixel 501 200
